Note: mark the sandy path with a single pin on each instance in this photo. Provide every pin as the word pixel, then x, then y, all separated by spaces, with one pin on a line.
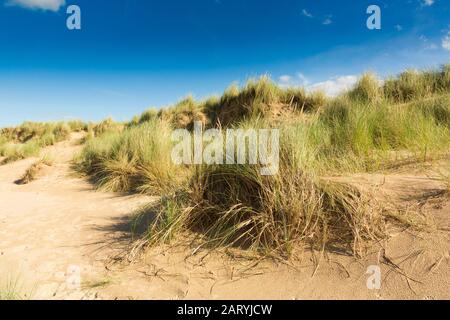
pixel 48 227
pixel 58 230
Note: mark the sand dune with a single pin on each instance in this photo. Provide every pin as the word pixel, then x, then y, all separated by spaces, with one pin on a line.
pixel 58 228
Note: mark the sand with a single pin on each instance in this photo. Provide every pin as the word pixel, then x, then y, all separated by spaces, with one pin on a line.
pixel 61 239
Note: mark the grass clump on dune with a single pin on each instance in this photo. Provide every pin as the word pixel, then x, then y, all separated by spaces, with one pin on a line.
pixel 234 205
pixel 366 136
pixel 14 152
pixel 28 139
pixel 107 125
pixel 137 159
pixel 413 84
pixel 257 98
pixel 35 169
pixel 183 114
pixel 365 129
pixel 36 130
pixel 12 288
pixel 366 90
pixel 264 99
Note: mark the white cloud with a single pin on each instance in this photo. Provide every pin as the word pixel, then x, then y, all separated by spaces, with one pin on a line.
pixel 446 43
pixel 327 21
pixel 398 27
pixel 303 79
pixel 431 46
pixel 299 80
pixel 306 13
pixel 331 87
pixel 335 86
pixel 285 78
pixel 52 5
pixel 428 45
pixel 428 3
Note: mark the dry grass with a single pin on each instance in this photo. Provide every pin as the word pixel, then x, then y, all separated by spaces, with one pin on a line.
pixel 14 152
pixel 46 132
pixel 32 173
pixel 362 130
pixel 236 206
pixel 95 284
pixel 106 126
pixel 11 288
pixel 137 159
pixel 257 98
pixel 28 139
pixel 413 84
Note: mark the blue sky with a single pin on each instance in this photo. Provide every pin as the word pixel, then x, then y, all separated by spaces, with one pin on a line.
pixel 134 54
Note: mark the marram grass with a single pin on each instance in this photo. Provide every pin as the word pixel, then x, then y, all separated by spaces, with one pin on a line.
pixel 365 129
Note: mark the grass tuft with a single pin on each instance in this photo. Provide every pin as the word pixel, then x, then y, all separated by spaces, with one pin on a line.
pixel 11 289
pixel 28 139
pixel 35 169
pixel 135 160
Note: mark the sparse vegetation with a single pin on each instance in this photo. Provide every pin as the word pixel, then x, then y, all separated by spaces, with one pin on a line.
pixel 106 126
pixel 357 136
pixel 137 159
pixel 27 139
pixel 34 170
pixel 258 98
pixel 94 284
pixel 235 205
pixel 367 128
pixel 413 84
pixel 13 152
pixel 11 289
pixel 35 130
